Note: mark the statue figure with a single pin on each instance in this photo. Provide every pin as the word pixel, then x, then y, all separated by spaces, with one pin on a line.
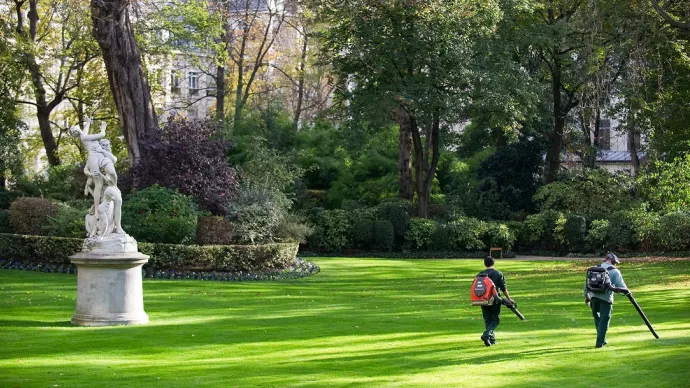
pixel 102 223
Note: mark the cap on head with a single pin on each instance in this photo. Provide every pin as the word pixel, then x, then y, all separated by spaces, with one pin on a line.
pixel 613 258
pixel 488 261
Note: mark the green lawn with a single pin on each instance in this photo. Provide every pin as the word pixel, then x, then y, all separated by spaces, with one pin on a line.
pixel 360 322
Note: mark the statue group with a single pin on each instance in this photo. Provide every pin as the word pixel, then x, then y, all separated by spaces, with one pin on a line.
pixel 103 227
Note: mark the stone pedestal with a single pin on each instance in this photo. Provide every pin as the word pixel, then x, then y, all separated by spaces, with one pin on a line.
pixel 109 289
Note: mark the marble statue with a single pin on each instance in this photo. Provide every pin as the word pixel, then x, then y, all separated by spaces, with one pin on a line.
pixel 103 227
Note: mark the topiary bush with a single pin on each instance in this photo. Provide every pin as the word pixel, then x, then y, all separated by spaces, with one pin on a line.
pixel 29 214
pixel 384 235
pixel 362 233
pixel 420 233
pixel 161 215
pixel 674 231
pixel 5 226
pixel 213 230
pixel 397 212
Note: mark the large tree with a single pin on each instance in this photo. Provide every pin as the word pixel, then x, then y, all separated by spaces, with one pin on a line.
pixel 113 31
pixel 417 63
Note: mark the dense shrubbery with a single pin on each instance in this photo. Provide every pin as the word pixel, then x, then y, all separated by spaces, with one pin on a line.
pixel 256 212
pixel 29 214
pixel 213 230
pixel 161 215
pixel 68 222
pixel 232 258
pixel 420 234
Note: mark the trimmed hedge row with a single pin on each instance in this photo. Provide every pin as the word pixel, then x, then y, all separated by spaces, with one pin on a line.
pixel 229 258
pixel 409 255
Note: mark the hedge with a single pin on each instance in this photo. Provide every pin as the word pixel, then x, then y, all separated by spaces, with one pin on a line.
pixel 230 258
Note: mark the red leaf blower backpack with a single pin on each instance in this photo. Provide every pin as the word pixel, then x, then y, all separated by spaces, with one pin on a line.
pixel 483 291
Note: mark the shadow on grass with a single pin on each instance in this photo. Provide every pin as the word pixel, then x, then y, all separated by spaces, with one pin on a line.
pixel 25 323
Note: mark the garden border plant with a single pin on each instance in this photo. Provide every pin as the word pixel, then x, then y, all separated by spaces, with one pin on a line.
pixel 211 262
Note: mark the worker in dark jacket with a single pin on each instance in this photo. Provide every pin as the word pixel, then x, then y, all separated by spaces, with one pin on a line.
pixel 601 303
pixel 492 314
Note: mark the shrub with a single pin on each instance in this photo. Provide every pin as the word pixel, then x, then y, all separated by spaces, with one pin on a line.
pixel 188 156
pixel 29 214
pixel 213 230
pixel 256 213
pixel 532 230
pixel 62 182
pixel 598 235
pixel 330 231
pixel 5 226
pixel 294 228
pixel 233 258
pixel 499 235
pixel 7 197
pixel 632 230
pixel 362 233
pixel 674 231
pixel 420 233
pixel 397 213
pixel 158 214
pixel 68 222
pixel 384 234
pixel 575 231
pixel 466 234
pixel 667 184
pixel 441 238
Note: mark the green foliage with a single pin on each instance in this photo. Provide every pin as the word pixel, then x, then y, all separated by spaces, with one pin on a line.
pixel 397 213
pixel 598 234
pixel 6 198
pixel 231 258
pixel 294 227
pixel 158 214
pixel 384 235
pixel 674 231
pixel 593 193
pixel 256 212
pixel 68 222
pixel 499 235
pixel 29 214
pixel 574 232
pixel 362 232
pixel 330 230
pixel 420 234
pixel 465 234
pixel 667 185
pixel 63 182
pixel 631 230
pixel 213 230
pixel 5 226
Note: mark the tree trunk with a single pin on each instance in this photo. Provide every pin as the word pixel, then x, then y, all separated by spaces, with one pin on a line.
pixel 405 154
pixel 113 32
pixel 553 155
pixel 300 83
pixel 220 93
pixel 43 116
pixel 632 147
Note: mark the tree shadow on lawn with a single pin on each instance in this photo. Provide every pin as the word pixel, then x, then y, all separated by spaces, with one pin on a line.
pixel 28 323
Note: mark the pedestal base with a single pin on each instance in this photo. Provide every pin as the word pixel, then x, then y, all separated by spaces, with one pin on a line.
pixel 109 289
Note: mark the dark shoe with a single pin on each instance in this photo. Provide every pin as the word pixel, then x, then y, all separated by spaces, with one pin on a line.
pixel 604 344
pixel 493 341
pixel 486 341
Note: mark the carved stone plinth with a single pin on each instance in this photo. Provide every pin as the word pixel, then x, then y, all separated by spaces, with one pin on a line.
pixel 109 289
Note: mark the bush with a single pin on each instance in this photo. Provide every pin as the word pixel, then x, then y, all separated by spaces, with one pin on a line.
pixel 188 155
pixel 532 230
pixel 233 258
pixel 62 182
pixel 158 214
pixel 632 230
pixel 397 213
pixel 499 235
pixel 330 231
pixel 384 234
pixel 256 213
pixel 5 226
pixel 598 235
pixel 420 233
pixel 362 233
pixel 674 231
pixel 68 222
pixel 667 184
pixel 466 234
pixel 7 197
pixel 29 214
pixel 294 228
pixel 441 238
pixel 575 231
pixel 213 230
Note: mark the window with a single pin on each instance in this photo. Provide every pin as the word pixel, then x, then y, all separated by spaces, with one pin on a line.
pixel 193 83
pixel 605 134
pixel 175 82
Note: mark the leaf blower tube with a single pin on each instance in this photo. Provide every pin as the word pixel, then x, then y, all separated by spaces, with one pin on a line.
pixel 511 306
pixel 632 300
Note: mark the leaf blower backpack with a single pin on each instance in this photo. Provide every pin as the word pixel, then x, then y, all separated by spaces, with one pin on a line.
pixel 598 279
pixel 483 291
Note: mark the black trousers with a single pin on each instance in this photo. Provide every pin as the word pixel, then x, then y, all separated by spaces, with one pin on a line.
pixel 492 317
